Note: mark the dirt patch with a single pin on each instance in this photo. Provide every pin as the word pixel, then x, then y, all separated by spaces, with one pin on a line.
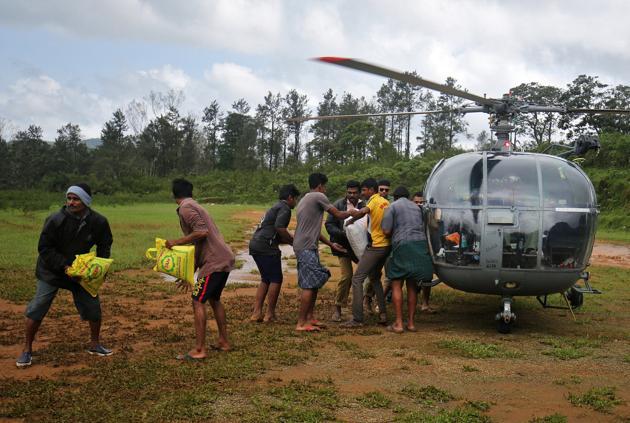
pixel 606 254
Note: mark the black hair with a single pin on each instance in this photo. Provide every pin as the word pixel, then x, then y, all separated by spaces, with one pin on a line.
pixel 385 182
pixel 316 179
pixel 418 194
pixel 370 183
pixel 85 187
pixel 353 184
pixel 288 190
pixel 182 188
pixel 401 192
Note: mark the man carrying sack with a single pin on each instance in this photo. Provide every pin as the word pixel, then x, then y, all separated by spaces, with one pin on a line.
pixel 73 230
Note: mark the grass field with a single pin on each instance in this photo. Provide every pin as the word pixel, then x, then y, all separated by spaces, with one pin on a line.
pixel 455 369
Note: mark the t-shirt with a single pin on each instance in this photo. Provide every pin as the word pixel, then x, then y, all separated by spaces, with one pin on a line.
pixel 377 206
pixel 404 218
pixel 310 212
pixel 265 239
pixel 212 254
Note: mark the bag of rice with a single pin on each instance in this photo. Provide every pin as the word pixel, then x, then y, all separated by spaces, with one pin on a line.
pixel 357 236
pixel 90 270
pixel 178 261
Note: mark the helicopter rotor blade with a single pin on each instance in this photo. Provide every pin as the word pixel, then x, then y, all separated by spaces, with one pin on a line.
pixel 425 112
pixel 598 111
pixel 404 77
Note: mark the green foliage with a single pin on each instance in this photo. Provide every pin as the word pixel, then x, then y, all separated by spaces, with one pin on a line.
pixel 601 399
pixel 552 418
pixel 458 415
pixel 426 395
pixel 374 399
pixel 569 348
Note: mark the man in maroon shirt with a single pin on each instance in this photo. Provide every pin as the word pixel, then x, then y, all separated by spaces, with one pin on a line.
pixel 213 260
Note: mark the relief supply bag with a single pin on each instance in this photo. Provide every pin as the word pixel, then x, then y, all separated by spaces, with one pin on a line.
pixel 357 235
pixel 178 261
pixel 90 270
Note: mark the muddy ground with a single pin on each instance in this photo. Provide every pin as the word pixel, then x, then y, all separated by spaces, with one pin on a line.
pixel 525 375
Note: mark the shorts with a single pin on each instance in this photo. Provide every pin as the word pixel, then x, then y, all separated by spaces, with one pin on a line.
pixel 311 274
pixel 270 267
pixel 89 307
pixel 210 287
pixel 410 260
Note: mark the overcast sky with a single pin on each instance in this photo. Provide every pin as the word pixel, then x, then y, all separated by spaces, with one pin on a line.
pixel 79 60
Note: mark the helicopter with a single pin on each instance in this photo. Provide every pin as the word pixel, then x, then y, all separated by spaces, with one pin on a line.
pixel 502 222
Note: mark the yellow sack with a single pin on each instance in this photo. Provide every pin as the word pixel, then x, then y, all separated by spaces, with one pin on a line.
pixel 178 261
pixel 90 270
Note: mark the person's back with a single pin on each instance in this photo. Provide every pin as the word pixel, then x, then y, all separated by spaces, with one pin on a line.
pixel 265 240
pixel 407 222
pixel 212 254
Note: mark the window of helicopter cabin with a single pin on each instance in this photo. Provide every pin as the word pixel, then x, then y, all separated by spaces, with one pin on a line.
pixel 455 235
pixel 513 181
pixel 520 243
pixel 458 182
pixel 563 185
pixel 566 237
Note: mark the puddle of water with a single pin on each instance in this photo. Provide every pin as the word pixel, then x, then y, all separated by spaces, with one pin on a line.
pixel 245 274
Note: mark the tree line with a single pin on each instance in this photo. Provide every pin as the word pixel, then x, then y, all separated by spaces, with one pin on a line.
pixel 150 137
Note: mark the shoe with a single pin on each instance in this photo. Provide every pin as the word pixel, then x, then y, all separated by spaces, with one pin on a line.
pixel 351 324
pixel 336 317
pixel 100 350
pixel 382 319
pixel 24 360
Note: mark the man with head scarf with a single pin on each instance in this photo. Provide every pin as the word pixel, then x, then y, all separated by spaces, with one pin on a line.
pixel 73 230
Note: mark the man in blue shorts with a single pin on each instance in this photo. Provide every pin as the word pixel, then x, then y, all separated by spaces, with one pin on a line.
pixel 264 248
pixel 311 274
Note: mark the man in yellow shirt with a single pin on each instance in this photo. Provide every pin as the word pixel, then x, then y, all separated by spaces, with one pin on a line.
pixel 373 259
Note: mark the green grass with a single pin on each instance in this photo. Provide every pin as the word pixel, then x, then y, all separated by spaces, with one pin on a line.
pixel 354 350
pixel 476 349
pixel 601 399
pixel 458 415
pixel 552 418
pixel 565 348
pixel 426 395
pixel 374 399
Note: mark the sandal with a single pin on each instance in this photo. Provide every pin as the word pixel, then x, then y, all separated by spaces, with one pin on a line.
pixel 391 328
pixel 308 328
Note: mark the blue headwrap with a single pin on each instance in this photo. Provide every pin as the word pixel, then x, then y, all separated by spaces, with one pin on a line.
pixel 80 192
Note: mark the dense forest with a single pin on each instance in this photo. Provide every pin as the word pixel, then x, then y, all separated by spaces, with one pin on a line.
pixel 244 153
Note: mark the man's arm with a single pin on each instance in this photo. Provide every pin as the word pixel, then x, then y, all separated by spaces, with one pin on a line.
pixel 358 214
pixel 387 224
pixel 285 235
pixel 47 249
pixel 188 239
pixel 104 243
pixel 332 245
pixel 341 215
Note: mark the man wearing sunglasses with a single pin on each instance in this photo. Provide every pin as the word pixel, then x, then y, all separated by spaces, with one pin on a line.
pixel 73 230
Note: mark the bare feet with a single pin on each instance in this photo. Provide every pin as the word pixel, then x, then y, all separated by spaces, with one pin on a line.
pixel 395 329
pixel 221 347
pixel 256 317
pixel 269 318
pixel 193 354
pixel 317 323
pixel 427 309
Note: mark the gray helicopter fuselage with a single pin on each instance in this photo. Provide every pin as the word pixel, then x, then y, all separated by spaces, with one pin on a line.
pixel 510 224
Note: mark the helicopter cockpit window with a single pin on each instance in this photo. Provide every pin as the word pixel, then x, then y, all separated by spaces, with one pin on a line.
pixel 520 243
pixel 455 236
pixel 563 185
pixel 566 238
pixel 512 181
pixel 458 182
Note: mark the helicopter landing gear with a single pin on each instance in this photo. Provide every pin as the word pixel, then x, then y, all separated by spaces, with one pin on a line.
pixel 505 318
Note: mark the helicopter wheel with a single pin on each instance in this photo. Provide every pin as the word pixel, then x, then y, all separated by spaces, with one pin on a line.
pixel 505 317
pixel 504 327
pixel 575 297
